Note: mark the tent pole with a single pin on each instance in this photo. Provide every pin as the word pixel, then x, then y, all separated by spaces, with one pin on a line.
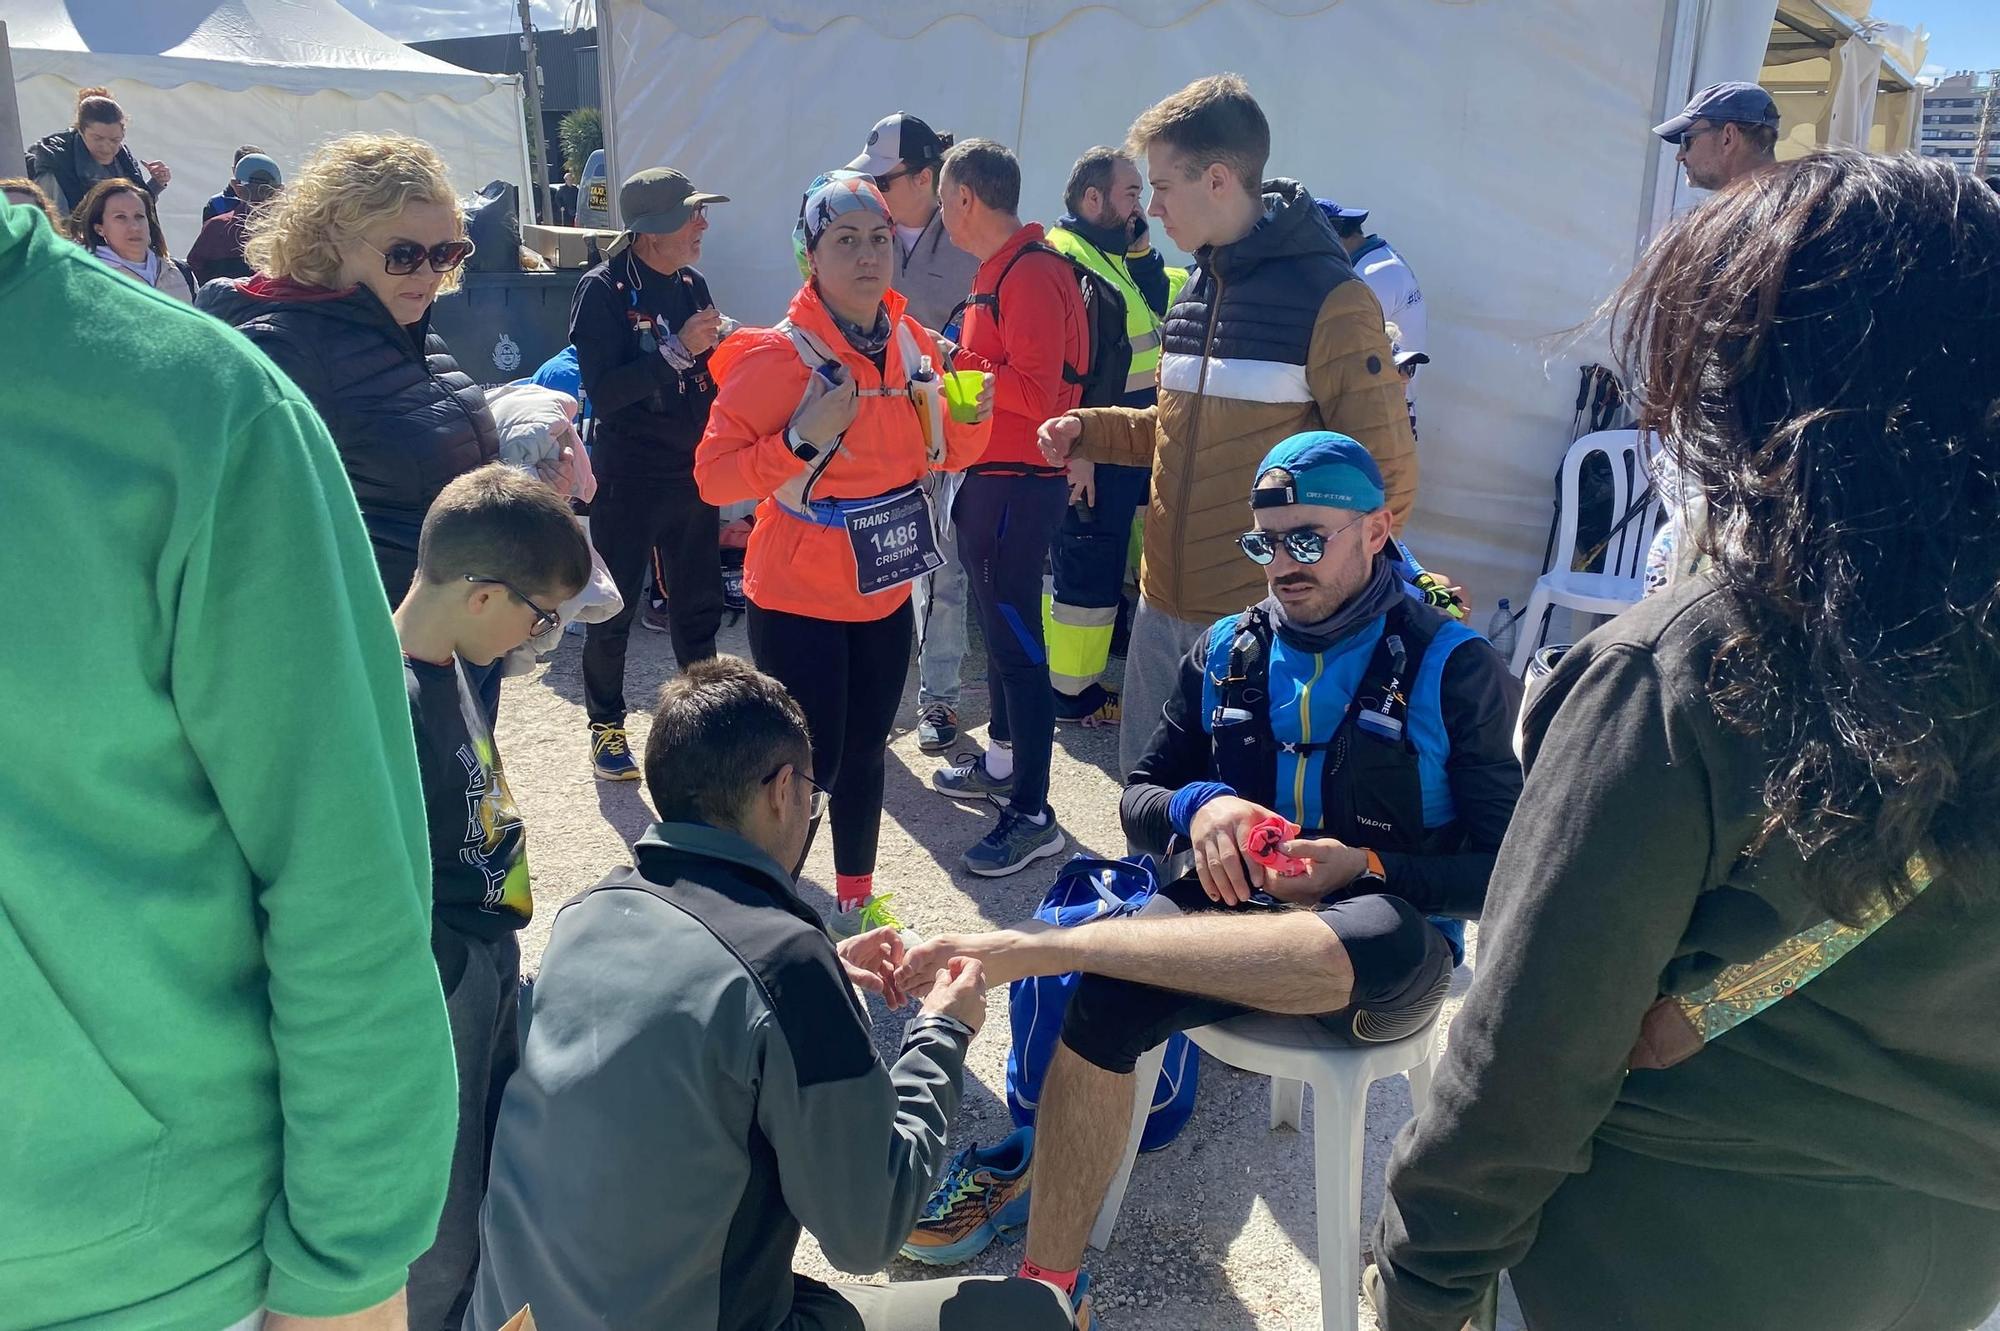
pixel 531 71
pixel 607 104
pixel 12 144
pixel 1680 28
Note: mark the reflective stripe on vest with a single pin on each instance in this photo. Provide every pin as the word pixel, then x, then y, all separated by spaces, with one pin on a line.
pixel 1142 326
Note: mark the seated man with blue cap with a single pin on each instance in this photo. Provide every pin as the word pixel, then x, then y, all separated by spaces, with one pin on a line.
pixel 1342 705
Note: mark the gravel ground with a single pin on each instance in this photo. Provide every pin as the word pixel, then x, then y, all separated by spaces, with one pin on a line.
pixel 1217 1232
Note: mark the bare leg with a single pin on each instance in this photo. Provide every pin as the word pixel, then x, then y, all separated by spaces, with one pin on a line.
pixel 1080 1132
pixel 1276 961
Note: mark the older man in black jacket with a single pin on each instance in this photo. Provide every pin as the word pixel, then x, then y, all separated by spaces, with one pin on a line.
pixel 643 325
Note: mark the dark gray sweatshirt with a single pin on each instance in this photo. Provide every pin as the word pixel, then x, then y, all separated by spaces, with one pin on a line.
pixel 1621 878
pixel 698 1083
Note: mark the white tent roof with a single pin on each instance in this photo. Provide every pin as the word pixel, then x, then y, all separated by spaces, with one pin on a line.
pixel 1503 145
pixel 199 77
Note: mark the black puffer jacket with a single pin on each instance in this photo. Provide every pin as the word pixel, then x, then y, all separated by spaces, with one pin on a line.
pixel 405 417
pixel 62 160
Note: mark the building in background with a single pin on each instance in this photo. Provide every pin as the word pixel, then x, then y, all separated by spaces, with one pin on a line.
pixel 1962 120
pixel 569 73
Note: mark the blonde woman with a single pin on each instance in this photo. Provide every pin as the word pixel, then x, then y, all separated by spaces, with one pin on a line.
pixel 348 261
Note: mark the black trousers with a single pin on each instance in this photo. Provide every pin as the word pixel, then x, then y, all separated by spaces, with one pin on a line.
pixel 1006 525
pixel 1640 1244
pixel 1402 971
pixel 628 518
pixel 848 679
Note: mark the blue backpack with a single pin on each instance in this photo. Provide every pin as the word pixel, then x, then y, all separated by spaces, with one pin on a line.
pixel 1087 890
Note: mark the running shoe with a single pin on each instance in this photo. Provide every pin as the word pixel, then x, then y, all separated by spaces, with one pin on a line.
pixel 874 913
pixel 1093 709
pixel 968 779
pixel 984 1196
pixel 1014 845
pixel 654 617
pixel 611 754
pixel 937 727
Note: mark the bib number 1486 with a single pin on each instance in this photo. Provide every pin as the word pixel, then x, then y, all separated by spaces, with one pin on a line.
pixel 894 539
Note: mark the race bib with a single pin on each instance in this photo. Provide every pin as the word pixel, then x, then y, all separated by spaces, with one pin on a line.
pixel 893 540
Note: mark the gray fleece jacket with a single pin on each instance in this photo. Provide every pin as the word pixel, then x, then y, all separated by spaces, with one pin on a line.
pixel 698 1083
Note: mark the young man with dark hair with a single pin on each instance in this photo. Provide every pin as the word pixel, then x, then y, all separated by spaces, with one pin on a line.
pixel 1273 334
pixel 1104 229
pixel 904 155
pixel 699 1083
pixel 1024 325
pixel 498 551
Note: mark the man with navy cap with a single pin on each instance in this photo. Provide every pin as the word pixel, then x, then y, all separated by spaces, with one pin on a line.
pixel 1728 131
pixel 1341 705
pixel 218 250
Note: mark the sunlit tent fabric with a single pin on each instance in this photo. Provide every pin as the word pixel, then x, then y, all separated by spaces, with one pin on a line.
pixel 200 77
pixel 1503 145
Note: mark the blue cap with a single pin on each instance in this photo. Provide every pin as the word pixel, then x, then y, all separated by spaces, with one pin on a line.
pixel 1326 468
pixel 1741 103
pixel 1335 213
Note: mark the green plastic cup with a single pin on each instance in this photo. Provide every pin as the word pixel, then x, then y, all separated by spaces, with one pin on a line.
pixel 961 393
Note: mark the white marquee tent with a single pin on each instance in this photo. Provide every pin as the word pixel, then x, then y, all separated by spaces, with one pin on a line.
pixel 199 77
pixel 1502 144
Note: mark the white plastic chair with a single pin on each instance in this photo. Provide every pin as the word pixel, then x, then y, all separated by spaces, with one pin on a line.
pixel 1297 1052
pixel 1623 581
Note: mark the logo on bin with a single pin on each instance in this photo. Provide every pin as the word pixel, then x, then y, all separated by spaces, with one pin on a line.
pixel 506 354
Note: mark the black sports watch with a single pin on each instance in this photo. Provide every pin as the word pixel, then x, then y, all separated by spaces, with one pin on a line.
pixel 804 449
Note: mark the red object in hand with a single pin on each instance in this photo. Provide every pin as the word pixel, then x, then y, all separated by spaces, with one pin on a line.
pixel 1264 840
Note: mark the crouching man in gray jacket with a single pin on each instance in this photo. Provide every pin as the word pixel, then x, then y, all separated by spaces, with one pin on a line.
pixel 698 1081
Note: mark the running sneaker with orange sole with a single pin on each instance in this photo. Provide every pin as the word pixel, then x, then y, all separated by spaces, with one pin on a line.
pixel 984 1196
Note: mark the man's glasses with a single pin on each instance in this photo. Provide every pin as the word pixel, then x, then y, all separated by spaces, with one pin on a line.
pixel 406 256
pixel 816 806
pixel 884 181
pixel 1303 544
pixel 544 619
pixel 1688 136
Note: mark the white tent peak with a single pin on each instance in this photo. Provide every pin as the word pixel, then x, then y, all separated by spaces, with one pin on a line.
pixel 1019 19
pixel 237 44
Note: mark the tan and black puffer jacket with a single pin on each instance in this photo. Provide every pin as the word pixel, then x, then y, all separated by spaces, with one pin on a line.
pixel 1273 335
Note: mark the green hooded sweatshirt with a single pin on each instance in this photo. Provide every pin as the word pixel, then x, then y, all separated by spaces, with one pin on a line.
pixel 225 1073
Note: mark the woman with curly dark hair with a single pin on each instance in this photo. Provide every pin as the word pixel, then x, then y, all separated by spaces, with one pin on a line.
pixel 1778 779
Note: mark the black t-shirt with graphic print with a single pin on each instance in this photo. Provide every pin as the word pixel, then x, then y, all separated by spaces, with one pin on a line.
pixel 479 860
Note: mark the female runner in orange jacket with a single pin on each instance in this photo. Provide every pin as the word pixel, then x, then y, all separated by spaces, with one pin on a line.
pixel 819 419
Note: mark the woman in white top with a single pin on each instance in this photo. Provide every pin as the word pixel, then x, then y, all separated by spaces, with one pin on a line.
pixel 119 224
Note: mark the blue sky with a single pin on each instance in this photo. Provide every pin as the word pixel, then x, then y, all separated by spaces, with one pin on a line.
pixel 420 20
pixel 1965 34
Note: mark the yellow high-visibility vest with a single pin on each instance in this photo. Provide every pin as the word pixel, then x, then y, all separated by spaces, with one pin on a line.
pixel 1142 326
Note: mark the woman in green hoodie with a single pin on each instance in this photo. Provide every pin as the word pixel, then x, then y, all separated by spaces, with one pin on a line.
pixel 225 1074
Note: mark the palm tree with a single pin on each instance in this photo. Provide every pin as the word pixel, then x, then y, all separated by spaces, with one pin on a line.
pixel 581 134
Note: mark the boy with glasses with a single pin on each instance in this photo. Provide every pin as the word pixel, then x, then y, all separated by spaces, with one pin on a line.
pixel 499 550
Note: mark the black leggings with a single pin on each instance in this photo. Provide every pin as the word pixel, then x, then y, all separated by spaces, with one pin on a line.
pixel 1402 971
pixel 848 679
pixel 1005 527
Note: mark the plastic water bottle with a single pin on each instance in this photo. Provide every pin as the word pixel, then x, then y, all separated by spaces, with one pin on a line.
pixel 1503 630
